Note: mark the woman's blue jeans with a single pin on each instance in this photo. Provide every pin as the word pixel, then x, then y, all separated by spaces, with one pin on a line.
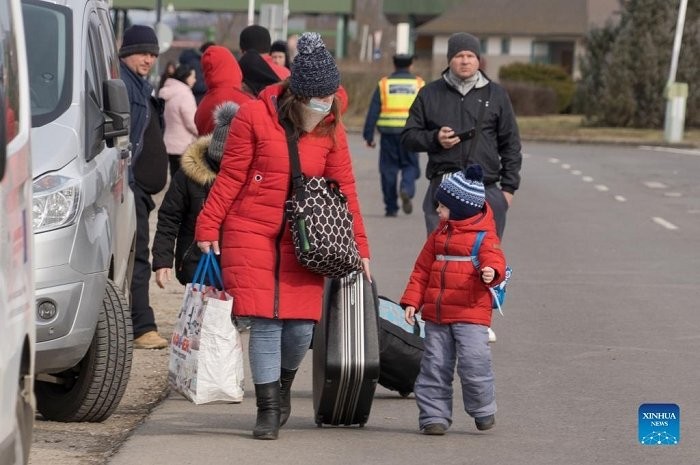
pixel 276 344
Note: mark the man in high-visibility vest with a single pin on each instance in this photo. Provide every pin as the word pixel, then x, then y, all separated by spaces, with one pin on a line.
pixel 388 112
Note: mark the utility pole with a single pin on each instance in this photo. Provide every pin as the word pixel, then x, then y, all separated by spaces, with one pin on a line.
pixel 676 92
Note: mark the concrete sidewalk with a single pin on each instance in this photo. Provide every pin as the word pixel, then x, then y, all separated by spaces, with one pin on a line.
pixel 180 432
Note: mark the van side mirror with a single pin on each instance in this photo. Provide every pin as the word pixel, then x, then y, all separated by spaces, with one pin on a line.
pixel 117 110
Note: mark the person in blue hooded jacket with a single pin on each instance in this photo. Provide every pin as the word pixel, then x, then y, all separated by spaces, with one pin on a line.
pixel 148 171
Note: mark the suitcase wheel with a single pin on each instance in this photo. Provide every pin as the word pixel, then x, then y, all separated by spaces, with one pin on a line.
pixel 404 393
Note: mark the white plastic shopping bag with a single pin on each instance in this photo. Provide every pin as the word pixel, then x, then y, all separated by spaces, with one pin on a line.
pixel 206 355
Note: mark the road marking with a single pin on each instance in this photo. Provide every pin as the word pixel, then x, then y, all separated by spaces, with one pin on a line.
pixel 554 160
pixel 673 194
pixel 666 224
pixel 587 179
pixel 565 166
pixel 601 187
pixel 576 172
pixel 620 198
pixel 655 185
pixel 670 150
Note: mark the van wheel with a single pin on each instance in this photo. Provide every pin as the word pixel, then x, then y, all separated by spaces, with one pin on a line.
pixel 92 390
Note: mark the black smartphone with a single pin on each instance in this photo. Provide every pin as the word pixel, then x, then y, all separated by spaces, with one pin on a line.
pixel 466 135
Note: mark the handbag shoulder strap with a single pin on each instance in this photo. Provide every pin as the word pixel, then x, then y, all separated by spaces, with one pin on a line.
pixel 479 120
pixel 296 175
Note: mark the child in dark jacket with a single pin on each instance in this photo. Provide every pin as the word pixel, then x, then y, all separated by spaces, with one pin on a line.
pixel 184 199
pixel 455 302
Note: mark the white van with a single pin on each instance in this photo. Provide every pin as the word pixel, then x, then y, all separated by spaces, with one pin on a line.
pixel 84 217
pixel 16 249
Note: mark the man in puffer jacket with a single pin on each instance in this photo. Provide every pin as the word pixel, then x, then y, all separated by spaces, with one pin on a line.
pixel 182 203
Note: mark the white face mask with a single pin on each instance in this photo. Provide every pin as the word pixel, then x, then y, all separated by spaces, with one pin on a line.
pixel 314 112
pixel 320 105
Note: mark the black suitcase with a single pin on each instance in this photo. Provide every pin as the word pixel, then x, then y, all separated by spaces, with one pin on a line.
pixel 401 348
pixel 346 352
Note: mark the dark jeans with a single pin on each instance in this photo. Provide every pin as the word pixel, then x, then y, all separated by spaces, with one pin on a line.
pixel 392 160
pixel 141 312
pixel 494 197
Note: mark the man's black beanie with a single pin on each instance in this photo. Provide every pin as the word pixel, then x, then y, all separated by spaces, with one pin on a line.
pixel 139 39
pixel 462 41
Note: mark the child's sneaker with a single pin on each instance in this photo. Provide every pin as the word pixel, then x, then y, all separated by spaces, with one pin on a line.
pixel 484 423
pixel 492 336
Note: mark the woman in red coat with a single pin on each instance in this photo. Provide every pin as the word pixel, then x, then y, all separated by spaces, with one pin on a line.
pixel 245 210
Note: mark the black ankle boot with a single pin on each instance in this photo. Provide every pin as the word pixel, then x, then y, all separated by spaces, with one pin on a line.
pixel 267 397
pixel 286 380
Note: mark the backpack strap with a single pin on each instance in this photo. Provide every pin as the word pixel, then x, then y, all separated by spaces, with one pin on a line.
pixel 475 249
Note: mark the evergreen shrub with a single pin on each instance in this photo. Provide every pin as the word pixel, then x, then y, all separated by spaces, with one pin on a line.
pixel 548 76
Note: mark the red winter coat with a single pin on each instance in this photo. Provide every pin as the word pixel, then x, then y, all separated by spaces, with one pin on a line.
pixel 245 208
pixel 452 291
pixel 223 78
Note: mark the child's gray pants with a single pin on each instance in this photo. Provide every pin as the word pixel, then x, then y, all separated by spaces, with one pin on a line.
pixel 467 345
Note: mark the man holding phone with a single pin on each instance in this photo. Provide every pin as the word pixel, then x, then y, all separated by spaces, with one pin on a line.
pixel 464 118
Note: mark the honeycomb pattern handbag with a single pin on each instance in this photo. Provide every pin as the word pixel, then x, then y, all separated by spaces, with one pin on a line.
pixel 321 224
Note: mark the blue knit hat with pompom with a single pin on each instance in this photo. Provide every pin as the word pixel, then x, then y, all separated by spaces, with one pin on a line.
pixel 463 193
pixel 314 72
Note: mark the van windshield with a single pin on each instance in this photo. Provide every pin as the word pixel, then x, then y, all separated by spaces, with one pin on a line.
pixel 48 34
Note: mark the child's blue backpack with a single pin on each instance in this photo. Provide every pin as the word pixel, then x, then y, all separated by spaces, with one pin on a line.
pixel 497 292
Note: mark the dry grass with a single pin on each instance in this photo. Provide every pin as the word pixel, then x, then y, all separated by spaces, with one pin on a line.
pixel 571 128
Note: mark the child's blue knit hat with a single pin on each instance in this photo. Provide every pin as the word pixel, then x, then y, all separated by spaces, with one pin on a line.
pixel 463 193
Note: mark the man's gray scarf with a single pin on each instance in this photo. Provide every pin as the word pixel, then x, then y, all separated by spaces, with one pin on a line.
pixel 462 86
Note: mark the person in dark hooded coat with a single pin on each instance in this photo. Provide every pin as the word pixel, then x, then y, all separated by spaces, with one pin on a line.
pixel 184 200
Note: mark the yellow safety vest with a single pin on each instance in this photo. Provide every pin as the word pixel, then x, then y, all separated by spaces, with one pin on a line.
pixel 397 95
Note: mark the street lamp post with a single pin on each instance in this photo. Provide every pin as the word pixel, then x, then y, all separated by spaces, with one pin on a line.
pixel 676 92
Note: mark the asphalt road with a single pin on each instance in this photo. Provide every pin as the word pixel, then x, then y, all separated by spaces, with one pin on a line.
pixel 601 317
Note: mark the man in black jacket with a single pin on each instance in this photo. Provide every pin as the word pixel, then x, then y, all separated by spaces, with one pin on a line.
pixel 463 118
pixel 147 171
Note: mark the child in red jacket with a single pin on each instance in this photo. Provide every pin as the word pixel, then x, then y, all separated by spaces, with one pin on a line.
pixel 455 302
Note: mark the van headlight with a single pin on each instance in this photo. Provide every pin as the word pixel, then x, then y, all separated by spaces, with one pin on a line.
pixel 55 202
